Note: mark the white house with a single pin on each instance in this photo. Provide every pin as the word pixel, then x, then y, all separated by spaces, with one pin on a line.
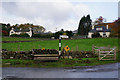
pixel 64 36
pixel 19 31
pixel 102 30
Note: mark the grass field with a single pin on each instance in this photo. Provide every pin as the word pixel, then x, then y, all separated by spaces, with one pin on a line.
pixel 17 39
pixel 83 44
pixel 60 63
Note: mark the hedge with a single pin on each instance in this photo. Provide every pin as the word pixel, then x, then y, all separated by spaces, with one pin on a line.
pixel 21 35
pixel 42 35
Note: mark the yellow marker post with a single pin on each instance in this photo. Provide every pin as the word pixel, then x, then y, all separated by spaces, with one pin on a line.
pixel 67 49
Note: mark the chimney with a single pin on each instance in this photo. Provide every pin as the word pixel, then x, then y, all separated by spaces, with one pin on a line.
pixel 107 26
pixel 93 27
pixel 12 28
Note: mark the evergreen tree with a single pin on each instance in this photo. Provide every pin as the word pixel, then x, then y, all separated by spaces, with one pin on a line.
pixel 88 24
pixel 84 25
pixel 81 26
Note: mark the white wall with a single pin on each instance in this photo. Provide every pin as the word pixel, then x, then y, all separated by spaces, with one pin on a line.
pixel 18 33
pixel 13 32
pixel 101 33
pixel 90 34
pixel 29 33
pixel 10 33
pixel 108 34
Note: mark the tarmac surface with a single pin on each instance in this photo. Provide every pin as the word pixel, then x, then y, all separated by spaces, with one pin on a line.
pixel 101 71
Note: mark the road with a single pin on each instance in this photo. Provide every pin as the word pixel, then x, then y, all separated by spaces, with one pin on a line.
pixel 101 71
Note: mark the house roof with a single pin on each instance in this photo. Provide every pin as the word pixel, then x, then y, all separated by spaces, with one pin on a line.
pixel 104 29
pixel 22 30
pixel 75 31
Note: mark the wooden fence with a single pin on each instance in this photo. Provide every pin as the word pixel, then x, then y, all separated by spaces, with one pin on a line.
pixel 105 53
pixel 46 57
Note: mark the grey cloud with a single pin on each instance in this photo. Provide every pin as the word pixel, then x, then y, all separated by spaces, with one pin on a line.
pixel 48 14
pixel 45 10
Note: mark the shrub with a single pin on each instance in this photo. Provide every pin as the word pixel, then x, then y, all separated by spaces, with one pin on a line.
pixel 114 35
pixel 15 35
pixel 42 35
pixel 79 54
pixel 36 35
pixel 21 35
pixel 4 33
pixel 24 35
pixel 68 33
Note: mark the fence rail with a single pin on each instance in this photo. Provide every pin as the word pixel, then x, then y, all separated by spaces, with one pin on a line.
pixel 105 53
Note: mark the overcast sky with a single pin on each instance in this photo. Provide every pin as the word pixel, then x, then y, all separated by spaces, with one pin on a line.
pixel 64 14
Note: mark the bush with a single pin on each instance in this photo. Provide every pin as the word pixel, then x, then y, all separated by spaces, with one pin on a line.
pixel 21 35
pixel 68 33
pixel 42 35
pixel 4 33
pixel 24 35
pixel 114 35
pixel 79 54
pixel 36 35
pixel 15 35
pixel 57 34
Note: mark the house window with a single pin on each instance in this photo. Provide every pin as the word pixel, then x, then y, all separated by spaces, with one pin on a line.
pixel 11 32
pixel 104 34
pixel 99 28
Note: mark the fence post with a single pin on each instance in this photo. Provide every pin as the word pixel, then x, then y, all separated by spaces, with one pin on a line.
pixel 109 47
pixel 93 48
pixel 77 48
pixel 59 45
pixel 114 53
pixel 99 53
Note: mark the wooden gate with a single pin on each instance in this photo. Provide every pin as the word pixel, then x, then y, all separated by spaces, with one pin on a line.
pixel 105 53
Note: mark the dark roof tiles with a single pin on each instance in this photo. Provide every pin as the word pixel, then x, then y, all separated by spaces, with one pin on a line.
pixel 22 30
pixel 104 29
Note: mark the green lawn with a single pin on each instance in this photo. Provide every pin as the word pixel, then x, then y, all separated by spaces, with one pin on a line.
pixel 60 63
pixel 17 39
pixel 83 44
